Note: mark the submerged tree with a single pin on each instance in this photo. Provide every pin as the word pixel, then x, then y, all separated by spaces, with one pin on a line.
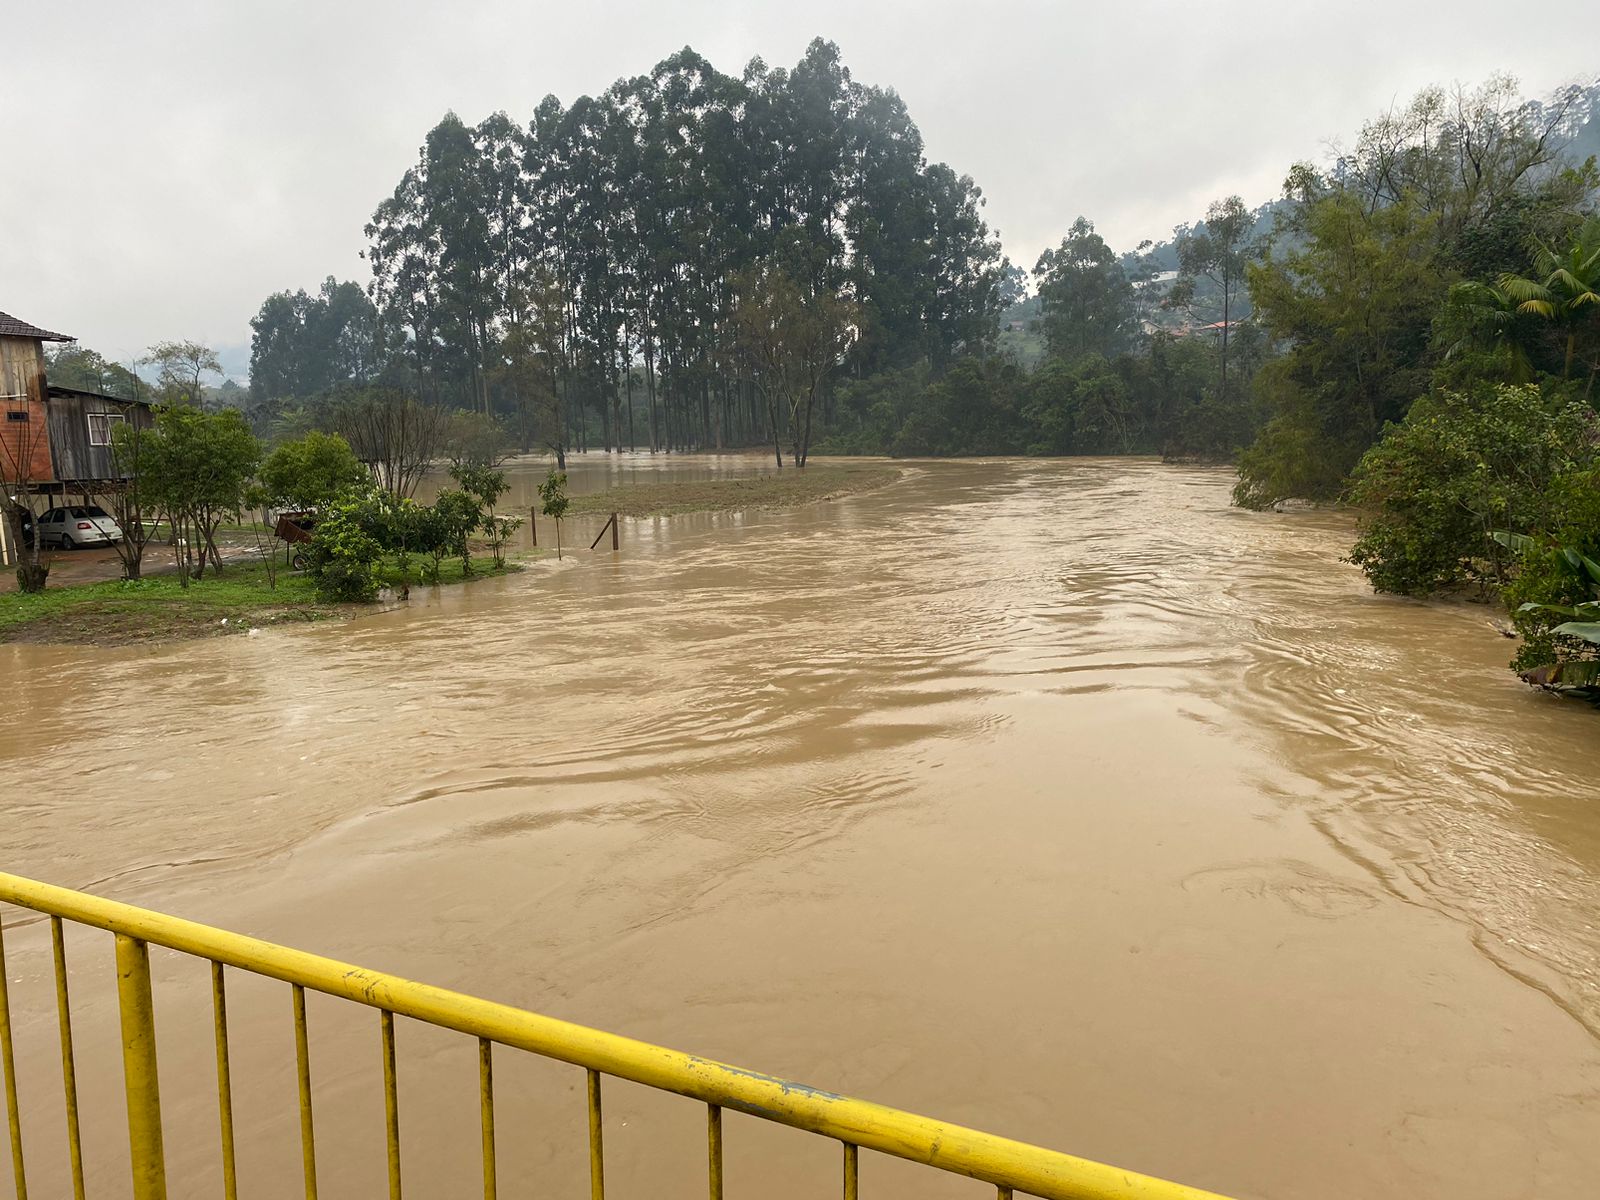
pixel 394 433
pixel 792 343
pixel 553 494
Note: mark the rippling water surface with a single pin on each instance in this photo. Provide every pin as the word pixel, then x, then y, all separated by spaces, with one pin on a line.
pixel 1056 798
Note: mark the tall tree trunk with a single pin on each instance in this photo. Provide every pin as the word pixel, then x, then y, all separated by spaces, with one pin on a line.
pixel 772 415
pixel 628 383
pixel 650 396
pixel 1225 297
pixel 805 444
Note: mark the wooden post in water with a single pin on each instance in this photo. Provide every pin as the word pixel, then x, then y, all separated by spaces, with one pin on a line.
pixel 611 525
pixel 533 523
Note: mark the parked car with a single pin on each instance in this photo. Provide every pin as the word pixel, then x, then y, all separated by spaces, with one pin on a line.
pixel 78 525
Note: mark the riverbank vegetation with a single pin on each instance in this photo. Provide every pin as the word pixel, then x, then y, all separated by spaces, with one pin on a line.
pixel 158 608
pixel 695 260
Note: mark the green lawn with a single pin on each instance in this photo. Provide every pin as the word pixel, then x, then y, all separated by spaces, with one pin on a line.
pixel 159 608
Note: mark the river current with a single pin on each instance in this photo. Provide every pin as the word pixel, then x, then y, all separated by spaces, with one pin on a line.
pixel 1056 798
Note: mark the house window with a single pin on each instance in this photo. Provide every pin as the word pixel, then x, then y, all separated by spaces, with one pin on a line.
pixel 17 414
pixel 100 426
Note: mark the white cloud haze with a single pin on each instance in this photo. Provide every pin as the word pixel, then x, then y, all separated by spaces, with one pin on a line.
pixel 170 164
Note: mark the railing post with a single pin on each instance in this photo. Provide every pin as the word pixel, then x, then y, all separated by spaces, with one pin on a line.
pixel 139 1069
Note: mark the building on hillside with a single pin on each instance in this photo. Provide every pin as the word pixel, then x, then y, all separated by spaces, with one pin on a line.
pixel 54 440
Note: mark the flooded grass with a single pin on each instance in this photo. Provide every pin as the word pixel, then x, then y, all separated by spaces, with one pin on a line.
pixel 787 488
pixel 159 608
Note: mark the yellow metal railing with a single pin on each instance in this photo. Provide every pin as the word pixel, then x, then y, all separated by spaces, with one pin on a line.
pixel 1014 1168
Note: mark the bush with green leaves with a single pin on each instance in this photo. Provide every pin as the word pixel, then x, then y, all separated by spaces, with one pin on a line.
pixel 1458 468
pixel 1555 603
pixel 443 528
pixel 1554 598
pixel 486 485
pixel 195 467
pixel 311 472
pixel 345 551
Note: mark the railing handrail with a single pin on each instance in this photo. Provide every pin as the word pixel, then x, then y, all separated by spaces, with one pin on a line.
pixel 1000 1161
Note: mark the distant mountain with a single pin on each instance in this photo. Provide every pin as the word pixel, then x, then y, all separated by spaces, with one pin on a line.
pixel 1151 268
pixel 1587 142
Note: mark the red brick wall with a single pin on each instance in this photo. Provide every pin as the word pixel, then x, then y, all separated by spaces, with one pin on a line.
pixel 24 445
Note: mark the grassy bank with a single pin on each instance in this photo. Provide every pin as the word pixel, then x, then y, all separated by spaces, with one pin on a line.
pixel 779 489
pixel 160 609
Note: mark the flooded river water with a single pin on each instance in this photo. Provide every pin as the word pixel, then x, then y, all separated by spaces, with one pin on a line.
pixel 1055 798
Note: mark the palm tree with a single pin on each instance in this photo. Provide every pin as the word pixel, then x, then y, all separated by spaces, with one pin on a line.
pixel 1483 317
pixel 1569 294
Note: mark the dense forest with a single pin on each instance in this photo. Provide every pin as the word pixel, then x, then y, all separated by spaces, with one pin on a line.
pixel 694 260
pixel 690 260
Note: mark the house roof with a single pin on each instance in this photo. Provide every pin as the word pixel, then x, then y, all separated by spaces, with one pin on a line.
pixel 11 327
pixel 69 392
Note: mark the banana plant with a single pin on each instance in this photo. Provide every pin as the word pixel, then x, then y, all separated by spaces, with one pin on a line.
pixel 1582 617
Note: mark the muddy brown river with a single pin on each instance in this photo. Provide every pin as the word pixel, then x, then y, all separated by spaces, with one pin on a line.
pixel 1056 798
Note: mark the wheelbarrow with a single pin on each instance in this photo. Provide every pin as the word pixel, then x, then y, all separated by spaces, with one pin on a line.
pixel 295 528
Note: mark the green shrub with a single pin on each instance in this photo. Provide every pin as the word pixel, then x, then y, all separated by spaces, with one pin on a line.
pixel 1458 468
pixel 442 529
pixel 346 550
pixel 312 471
pixel 1558 587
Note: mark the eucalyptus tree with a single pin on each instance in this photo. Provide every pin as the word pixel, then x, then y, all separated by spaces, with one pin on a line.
pixel 793 339
pixel 305 345
pixel 1084 295
pixel 634 213
pixel 1219 251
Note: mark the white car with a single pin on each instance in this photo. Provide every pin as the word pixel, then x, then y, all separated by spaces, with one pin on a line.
pixel 79 525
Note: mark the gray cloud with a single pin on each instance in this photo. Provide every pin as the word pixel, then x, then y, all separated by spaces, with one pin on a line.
pixel 169 164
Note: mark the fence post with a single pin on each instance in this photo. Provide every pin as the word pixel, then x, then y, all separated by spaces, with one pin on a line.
pixel 613 531
pixel 533 523
pixel 139 1069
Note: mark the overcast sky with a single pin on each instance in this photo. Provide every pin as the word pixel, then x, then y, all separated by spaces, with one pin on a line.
pixel 169 164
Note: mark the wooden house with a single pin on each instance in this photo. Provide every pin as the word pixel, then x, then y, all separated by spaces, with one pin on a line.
pixel 54 439
pixel 80 427
pixel 24 439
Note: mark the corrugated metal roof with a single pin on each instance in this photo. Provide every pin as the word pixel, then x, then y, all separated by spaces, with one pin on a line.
pixel 11 327
pixel 66 393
